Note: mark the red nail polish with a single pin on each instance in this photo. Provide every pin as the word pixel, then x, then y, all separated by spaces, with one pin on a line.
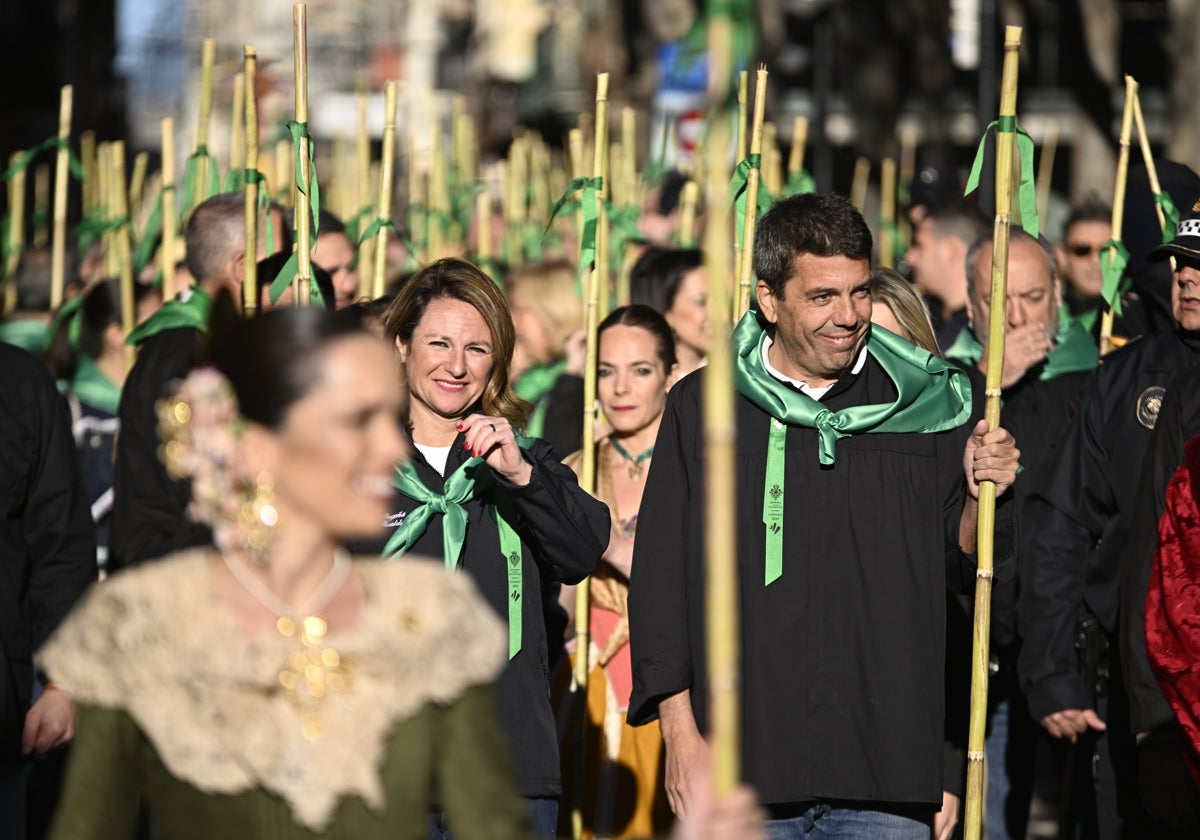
pixel 459 427
pixel 466 445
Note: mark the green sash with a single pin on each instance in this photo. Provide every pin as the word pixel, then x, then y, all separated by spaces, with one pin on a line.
pixel 189 310
pixel 1074 351
pixel 24 333
pixel 535 386
pixel 91 386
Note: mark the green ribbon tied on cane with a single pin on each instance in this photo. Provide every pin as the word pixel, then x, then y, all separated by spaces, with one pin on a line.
pixel 1114 257
pixel 254 176
pixel 471 480
pixel 587 189
pixel 95 224
pixel 55 142
pixel 377 224
pixel 738 189
pixel 150 236
pixel 72 309
pixel 1027 189
pixel 1170 215
pixel 287 274
pixel 193 190
pixel 800 182
pixel 312 188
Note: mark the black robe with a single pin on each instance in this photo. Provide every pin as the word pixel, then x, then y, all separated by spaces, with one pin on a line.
pixel 842 657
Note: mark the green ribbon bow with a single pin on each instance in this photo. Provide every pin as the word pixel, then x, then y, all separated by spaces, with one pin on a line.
pixel 799 183
pixel 472 478
pixel 191 177
pixel 312 189
pixel 55 142
pixel 92 387
pixel 191 309
pixel 1170 215
pixel 534 386
pixel 1114 257
pixel 1074 350
pixel 72 309
pixel 933 395
pixel 587 188
pixel 737 193
pixel 1027 189
pixel 377 224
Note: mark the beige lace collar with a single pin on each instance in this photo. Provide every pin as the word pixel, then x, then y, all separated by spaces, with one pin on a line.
pixel 151 642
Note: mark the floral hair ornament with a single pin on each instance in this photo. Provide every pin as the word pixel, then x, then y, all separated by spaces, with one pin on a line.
pixel 201 428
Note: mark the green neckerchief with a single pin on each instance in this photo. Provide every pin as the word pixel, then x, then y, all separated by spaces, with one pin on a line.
pixel 472 478
pixel 190 309
pixel 933 395
pixel 24 333
pixel 91 386
pixel 1074 350
pixel 534 386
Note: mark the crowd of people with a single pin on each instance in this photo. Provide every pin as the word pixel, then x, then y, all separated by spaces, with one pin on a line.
pixel 313 572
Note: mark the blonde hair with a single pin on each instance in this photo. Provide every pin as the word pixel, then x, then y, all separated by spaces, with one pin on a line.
pixel 460 280
pixel 547 288
pixel 898 295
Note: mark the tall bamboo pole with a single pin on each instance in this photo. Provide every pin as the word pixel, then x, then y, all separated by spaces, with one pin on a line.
pixel 743 102
pixel 108 204
pixel 41 205
pixel 1045 174
pixel 858 187
pixel 16 219
pixel 87 157
pixel 799 141
pixel 887 213
pixel 58 257
pixel 771 171
pixel 237 122
pixel 124 248
pixel 1118 206
pixel 302 214
pixel 207 56
pixel 1148 160
pixel 166 255
pixel 688 200
pixel 745 267
pixel 387 164
pixel 250 117
pixel 987 489
pixel 362 155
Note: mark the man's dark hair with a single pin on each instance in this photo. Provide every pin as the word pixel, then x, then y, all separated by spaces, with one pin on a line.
pixel 215 233
pixel 958 218
pixel 1092 209
pixel 821 224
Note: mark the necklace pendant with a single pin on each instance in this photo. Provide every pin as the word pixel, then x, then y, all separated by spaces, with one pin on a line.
pixel 635 471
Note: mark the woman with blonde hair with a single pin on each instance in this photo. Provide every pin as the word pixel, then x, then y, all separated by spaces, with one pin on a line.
pixel 497 505
pixel 902 310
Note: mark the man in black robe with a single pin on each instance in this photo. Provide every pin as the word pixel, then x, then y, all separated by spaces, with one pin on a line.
pixel 843 570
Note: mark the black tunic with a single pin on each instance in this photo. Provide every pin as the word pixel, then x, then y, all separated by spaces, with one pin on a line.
pixel 842 657
pixel 564 532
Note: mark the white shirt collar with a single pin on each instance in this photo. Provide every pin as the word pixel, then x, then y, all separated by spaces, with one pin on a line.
pixel 804 387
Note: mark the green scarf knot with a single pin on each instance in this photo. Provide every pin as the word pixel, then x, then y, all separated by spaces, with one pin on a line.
pixel 1027 189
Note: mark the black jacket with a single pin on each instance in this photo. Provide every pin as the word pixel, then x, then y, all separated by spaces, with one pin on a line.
pixel 564 532
pixel 149 516
pixel 47 543
pixel 1079 515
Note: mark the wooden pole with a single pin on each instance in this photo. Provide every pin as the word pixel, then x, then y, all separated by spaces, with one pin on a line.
pixel 1045 175
pixel 87 157
pixel 108 204
pixel 166 255
pixel 887 213
pixel 858 187
pixel 799 141
pixel 771 171
pixel 1148 160
pixel 745 267
pixel 137 181
pixel 387 164
pixel 688 200
pixel 743 101
pixel 362 154
pixel 302 214
pixel 16 219
pixel 58 258
pixel 987 489
pixel 250 263
pixel 124 249
pixel 237 122
pixel 207 57
pixel 1118 206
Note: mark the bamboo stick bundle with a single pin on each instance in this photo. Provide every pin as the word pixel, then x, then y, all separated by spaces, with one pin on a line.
pixel 16 220
pixel 251 187
pixel 887 213
pixel 237 130
pixel 594 299
pixel 362 201
pixel 41 205
pixel 745 267
pixel 1148 160
pixel 858 187
pixel 387 163
pixel 688 200
pixel 87 158
pixel 58 255
pixel 1118 210
pixel 137 181
pixel 302 197
pixel 108 208
pixel 1005 140
pixel 1045 174
pixel 166 257
pixel 124 247
pixel 202 159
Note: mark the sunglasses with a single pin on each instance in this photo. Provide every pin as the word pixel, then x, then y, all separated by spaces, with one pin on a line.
pixel 1084 250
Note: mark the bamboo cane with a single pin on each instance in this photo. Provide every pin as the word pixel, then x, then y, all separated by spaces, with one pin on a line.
pixel 387 164
pixel 237 122
pixel 858 187
pixel 87 157
pixel 578 170
pixel 166 256
pixel 745 266
pixel 1148 160
pixel 799 141
pixel 771 171
pixel 887 213
pixel 1118 206
pixel 250 117
pixel 137 181
pixel 108 206
pixel 41 205
pixel 1045 175
pixel 302 214
pixel 16 219
pixel 688 200
pixel 207 57
pixel 124 249
pixel 366 259
pixel 58 258
pixel 483 225
pixel 743 102
pixel 987 489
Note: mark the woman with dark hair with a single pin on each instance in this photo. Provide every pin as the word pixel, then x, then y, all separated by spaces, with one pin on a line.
pixel 672 281
pixel 635 368
pixel 271 686
pixel 86 354
pixel 497 505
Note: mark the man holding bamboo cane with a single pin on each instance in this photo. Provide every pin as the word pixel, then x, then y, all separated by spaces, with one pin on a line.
pixel 858 472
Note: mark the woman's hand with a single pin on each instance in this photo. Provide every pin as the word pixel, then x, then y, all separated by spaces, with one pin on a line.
pixel 493 439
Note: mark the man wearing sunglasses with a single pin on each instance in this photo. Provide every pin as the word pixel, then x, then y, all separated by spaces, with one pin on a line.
pixel 1078 255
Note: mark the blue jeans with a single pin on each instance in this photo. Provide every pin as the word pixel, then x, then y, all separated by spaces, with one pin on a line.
pixel 543 819
pixel 825 822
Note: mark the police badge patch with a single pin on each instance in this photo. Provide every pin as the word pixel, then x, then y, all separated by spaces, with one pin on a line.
pixel 1148 405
